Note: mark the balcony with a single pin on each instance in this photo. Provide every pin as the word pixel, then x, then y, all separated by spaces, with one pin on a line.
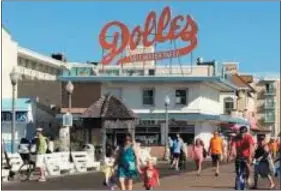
pixel 270 92
pixel 269 119
pixel 269 106
pixel 34 74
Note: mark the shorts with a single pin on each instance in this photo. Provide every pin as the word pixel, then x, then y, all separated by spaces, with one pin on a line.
pixel 216 158
pixel 177 155
pixel 39 163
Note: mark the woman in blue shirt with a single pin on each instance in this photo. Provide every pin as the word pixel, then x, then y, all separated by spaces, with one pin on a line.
pixel 177 146
pixel 128 164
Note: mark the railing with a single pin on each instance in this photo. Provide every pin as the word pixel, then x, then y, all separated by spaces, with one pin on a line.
pixel 269 106
pixel 271 91
pixel 36 74
pixel 269 119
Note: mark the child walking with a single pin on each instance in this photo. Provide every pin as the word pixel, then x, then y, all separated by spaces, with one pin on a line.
pixel 150 176
pixel 109 174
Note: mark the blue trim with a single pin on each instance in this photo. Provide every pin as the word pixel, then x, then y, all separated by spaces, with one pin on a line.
pixel 21 104
pixel 192 117
pixel 180 116
pixel 148 79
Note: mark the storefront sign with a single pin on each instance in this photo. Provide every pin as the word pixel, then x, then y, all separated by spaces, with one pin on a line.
pixel 230 68
pixel 179 27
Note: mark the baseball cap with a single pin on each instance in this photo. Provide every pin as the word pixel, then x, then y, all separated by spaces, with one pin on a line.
pixel 243 129
pixel 39 129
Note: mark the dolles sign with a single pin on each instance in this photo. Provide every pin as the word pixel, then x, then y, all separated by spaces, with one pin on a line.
pixel 179 27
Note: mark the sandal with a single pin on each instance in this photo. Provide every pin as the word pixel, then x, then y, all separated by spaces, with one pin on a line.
pixel 272 187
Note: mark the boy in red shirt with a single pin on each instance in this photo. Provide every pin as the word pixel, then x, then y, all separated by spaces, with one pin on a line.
pixel 150 176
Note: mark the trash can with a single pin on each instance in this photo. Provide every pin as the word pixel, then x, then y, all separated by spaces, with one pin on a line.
pixel 90 149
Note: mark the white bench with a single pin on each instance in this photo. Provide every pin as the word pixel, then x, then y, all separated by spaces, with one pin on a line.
pixel 80 161
pixel 64 163
pixel 5 172
pixel 52 164
pixel 15 162
pixel 92 164
pixel 5 175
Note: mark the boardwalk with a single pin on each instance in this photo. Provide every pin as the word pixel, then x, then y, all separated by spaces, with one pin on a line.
pixel 169 180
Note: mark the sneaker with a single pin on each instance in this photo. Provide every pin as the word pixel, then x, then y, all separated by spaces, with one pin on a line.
pixel 41 180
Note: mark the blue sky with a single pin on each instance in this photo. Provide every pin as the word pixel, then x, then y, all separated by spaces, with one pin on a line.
pixel 247 32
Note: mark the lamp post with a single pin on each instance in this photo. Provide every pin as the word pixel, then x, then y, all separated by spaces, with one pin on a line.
pixel 69 89
pixel 14 79
pixel 167 152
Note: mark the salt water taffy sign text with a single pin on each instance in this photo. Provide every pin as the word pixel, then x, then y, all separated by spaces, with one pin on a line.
pixel 179 27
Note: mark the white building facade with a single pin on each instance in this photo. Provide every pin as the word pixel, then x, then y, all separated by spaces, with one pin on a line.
pixel 36 71
pixel 195 109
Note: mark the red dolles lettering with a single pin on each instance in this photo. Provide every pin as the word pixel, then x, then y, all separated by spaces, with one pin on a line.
pixel 183 27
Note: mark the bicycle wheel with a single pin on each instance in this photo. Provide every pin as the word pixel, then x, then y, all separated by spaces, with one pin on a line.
pixel 23 172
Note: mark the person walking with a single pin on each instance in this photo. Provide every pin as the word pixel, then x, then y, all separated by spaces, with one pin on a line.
pixel 177 147
pixel 128 164
pixel 198 154
pixel 262 163
pixel 216 151
pixel 273 147
pixel 150 175
pixel 41 149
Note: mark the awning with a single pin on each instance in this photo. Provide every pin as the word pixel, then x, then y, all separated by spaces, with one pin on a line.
pixel 192 117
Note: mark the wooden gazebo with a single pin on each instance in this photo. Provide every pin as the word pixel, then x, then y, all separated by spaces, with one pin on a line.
pixel 109 112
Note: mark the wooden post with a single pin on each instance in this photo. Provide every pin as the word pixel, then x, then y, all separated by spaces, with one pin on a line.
pixel 103 131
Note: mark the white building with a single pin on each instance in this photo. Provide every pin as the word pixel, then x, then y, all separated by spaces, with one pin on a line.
pixel 195 108
pixel 32 68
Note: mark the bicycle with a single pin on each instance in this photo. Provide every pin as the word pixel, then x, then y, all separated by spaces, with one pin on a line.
pixel 27 170
pixel 240 179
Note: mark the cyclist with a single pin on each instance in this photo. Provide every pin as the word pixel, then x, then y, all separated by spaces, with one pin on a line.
pixel 242 149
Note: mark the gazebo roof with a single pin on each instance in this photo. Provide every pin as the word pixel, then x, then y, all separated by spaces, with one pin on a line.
pixel 109 107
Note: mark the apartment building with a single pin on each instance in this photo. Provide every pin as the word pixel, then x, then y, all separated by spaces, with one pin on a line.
pixel 268 103
pixel 38 73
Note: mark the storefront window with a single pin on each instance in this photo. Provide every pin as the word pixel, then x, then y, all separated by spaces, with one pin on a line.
pixel 148 135
pixel 148 139
pixel 6 116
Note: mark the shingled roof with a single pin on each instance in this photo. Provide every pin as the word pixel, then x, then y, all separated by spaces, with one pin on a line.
pixel 240 82
pixel 109 107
